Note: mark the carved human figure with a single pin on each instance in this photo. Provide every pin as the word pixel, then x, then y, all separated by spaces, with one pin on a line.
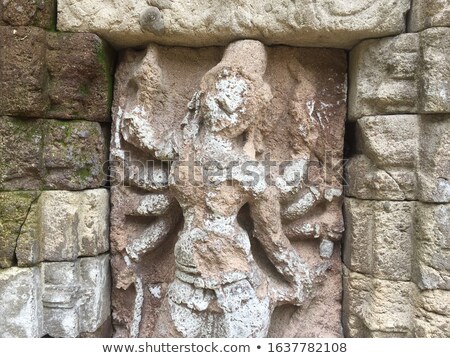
pixel 219 289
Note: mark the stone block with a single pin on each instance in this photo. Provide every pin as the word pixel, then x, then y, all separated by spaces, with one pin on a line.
pixel 39 13
pixel 432 242
pixel 401 157
pixel 14 211
pixel 432 315
pixel 65 225
pixel 399 240
pixel 428 13
pixel 50 154
pixel 20 153
pixel 433 168
pixel 54 75
pixel 385 166
pixel 80 69
pixel 390 141
pixel 383 308
pixel 61 291
pixel 74 155
pixel 20 303
pixel 403 74
pixel 95 308
pixel 366 181
pixel 336 23
pixel 384 75
pixel 379 238
pixel 434 83
pixel 76 296
pixel 60 299
pixel 22 54
pixel 377 308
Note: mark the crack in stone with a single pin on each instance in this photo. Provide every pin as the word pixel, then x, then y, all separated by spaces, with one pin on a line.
pixel 395 181
pixel 15 260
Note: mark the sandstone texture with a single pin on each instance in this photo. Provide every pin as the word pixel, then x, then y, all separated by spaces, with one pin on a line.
pixel 404 74
pixel 401 157
pixel 383 308
pixel 76 296
pixel 63 225
pixel 327 23
pixel 14 210
pixel 397 275
pixel 379 238
pixel 428 13
pixel 49 154
pixel 21 313
pixel 396 246
pixel 54 75
pixel 59 299
pixel 52 226
pixel 38 13
pixel 399 241
pixel 182 233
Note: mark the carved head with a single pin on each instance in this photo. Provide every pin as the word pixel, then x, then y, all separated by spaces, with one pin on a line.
pixel 235 95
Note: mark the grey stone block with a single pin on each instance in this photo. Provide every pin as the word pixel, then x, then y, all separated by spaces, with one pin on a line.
pixel 20 303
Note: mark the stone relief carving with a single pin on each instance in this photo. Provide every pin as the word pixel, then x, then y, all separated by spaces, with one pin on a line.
pixel 228 195
pixel 428 13
pixel 333 23
pixel 393 73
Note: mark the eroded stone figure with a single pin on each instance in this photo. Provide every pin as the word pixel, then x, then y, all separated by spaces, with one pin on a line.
pixel 219 289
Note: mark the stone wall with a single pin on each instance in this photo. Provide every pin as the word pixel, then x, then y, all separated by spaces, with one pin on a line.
pixel 92 149
pixel 396 249
pixel 55 103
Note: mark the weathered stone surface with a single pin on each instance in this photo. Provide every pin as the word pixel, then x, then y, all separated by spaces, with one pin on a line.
pixel 93 229
pixel 385 168
pixel 432 318
pixel 433 172
pixel 390 140
pixel 60 299
pixel 74 155
pixel 401 157
pixel 432 242
pixel 399 240
pixel 96 278
pixel 434 96
pixel 403 74
pixel 76 296
pixel 383 308
pixel 39 13
pixel 49 154
pixel 377 308
pixel 54 75
pixel 104 331
pixel 60 296
pixel 20 154
pixel 366 181
pixel 247 105
pixel 64 225
pixel 384 76
pixel 330 23
pixel 428 13
pixel 20 303
pixel 379 238
pixel 14 210
pixel 22 54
